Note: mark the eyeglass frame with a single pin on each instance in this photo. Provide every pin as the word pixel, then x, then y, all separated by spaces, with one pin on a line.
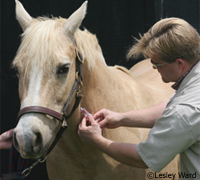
pixel 156 65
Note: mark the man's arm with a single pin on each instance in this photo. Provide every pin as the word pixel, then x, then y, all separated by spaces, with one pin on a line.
pixel 123 152
pixel 144 118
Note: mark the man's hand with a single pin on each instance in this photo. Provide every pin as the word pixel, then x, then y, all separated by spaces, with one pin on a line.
pixel 89 130
pixel 6 139
pixel 107 119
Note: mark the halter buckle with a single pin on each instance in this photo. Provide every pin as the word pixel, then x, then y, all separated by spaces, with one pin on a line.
pixel 64 123
pixel 78 93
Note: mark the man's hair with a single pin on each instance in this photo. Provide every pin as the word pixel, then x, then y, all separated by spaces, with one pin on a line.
pixel 169 39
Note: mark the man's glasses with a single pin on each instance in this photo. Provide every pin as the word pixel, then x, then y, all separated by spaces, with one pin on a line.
pixel 156 65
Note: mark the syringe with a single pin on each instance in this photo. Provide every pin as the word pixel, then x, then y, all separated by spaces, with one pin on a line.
pixel 84 111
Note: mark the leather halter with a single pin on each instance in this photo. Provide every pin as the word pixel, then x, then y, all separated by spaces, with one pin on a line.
pixel 65 114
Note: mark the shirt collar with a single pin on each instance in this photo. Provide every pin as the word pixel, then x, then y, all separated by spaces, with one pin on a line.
pixel 178 83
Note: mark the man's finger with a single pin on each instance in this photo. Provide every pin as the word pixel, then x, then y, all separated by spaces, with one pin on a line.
pixel 83 122
pixel 98 120
pixel 98 114
pixel 91 119
pixel 102 124
pixel 7 134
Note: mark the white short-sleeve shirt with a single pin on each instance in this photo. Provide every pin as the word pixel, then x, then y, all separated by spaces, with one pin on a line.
pixel 178 130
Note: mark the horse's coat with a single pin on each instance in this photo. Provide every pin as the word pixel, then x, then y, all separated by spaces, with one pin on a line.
pixel 45 62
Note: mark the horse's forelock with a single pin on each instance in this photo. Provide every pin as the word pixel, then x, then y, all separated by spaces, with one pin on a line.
pixel 40 42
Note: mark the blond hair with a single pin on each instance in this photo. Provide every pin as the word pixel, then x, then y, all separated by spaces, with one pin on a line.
pixel 169 39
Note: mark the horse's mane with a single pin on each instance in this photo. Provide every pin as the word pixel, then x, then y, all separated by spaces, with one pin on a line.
pixel 89 47
pixel 41 45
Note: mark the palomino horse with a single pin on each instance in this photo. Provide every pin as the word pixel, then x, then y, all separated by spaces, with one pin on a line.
pixel 46 67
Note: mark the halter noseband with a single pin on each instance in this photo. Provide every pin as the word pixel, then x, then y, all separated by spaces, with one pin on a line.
pixel 66 114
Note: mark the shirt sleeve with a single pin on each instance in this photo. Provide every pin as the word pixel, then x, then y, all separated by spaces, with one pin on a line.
pixel 171 135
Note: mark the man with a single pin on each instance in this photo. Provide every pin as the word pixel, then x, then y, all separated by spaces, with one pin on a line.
pixel 173 46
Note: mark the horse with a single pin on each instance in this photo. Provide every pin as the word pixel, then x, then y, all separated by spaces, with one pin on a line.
pixel 46 64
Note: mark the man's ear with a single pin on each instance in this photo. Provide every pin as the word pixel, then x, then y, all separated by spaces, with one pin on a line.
pixel 181 63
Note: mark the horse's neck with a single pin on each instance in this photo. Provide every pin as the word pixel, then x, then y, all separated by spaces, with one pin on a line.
pixel 93 85
pixel 105 86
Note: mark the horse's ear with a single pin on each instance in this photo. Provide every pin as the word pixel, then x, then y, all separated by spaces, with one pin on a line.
pixel 74 21
pixel 22 16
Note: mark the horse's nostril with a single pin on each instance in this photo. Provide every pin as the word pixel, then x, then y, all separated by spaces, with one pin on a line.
pixel 39 139
pixel 38 142
pixel 15 142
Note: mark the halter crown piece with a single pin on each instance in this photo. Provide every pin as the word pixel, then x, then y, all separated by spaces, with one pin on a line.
pixel 66 113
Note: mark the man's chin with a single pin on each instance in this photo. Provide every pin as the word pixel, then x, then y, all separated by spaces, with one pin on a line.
pixel 164 80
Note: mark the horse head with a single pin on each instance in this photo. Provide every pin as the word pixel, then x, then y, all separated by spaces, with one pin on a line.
pixel 45 63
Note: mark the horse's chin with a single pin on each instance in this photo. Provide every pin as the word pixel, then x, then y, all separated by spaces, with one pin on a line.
pixel 34 154
pixel 29 155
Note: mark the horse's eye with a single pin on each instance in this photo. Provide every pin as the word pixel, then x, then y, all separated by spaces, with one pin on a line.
pixel 63 69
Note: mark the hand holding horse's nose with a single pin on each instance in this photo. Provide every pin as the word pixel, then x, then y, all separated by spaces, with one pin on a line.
pixel 6 139
pixel 89 130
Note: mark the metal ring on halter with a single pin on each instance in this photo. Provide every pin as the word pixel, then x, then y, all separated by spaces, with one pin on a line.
pixel 79 56
pixel 41 160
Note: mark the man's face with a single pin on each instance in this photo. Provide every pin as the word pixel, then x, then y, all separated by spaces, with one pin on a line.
pixel 168 71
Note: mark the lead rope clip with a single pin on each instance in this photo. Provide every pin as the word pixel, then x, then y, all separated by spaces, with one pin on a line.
pixel 27 171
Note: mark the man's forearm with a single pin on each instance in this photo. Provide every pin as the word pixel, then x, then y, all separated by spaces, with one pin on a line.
pixel 144 118
pixel 123 152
